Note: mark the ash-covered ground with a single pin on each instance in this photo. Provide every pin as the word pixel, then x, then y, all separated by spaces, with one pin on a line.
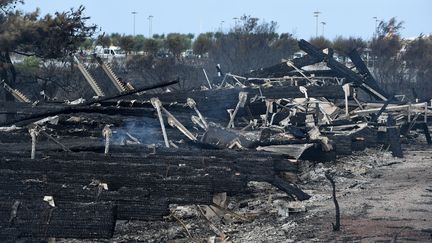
pixel 381 198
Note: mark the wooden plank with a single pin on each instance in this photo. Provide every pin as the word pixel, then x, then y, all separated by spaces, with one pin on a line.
pixel 72 220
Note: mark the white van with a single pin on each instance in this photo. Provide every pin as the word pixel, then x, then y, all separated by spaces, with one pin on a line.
pixel 112 52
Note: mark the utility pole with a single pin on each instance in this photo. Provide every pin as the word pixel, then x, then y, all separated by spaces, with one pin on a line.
pixel 134 13
pixel 323 24
pixel 375 35
pixel 235 22
pixel 221 26
pixel 376 27
pixel 150 18
pixel 316 14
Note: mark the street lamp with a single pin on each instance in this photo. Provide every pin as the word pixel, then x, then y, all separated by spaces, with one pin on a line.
pixel 134 13
pixel 376 26
pixel 150 18
pixel 323 24
pixel 235 22
pixel 221 25
pixel 316 14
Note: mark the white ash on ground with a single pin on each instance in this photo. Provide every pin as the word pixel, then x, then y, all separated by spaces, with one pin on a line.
pixel 381 198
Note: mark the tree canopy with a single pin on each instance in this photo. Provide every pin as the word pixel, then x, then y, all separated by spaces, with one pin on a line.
pixel 177 43
pixel 344 45
pixel 29 34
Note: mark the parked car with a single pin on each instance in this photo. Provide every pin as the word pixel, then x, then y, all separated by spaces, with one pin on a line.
pixel 112 52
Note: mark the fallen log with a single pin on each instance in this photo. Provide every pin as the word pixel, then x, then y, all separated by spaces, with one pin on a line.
pixel 290 189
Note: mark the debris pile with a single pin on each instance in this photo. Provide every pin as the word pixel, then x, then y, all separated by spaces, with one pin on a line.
pixel 72 169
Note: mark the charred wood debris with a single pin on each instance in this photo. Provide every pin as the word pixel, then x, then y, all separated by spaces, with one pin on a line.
pixel 70 170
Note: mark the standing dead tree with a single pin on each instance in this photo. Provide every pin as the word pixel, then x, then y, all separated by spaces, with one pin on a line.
pixel 336 226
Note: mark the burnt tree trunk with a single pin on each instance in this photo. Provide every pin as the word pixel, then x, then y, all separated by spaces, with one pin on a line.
pixel 6 66
pixel 336 226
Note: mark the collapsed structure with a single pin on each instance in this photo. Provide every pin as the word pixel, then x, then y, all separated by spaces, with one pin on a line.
pixel 72 170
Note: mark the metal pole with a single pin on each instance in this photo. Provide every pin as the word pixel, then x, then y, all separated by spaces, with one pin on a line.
pixel 376 26
pixel 323 24
pixel 316 14
pixel 134 13
pixel 150 18
pixel 235 22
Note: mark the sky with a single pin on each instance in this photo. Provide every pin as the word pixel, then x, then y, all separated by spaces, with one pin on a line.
pixel 341 17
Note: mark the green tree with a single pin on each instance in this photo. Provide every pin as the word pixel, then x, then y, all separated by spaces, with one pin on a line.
pixel 344 45
pixel 127 42
pixel 159 36
pixel 29 65
pixel 103 40
pixel 418 60
pixel 139 42
pixel 203 43
pixel 388 42
pixel 177 43
pixel 87 44
pixel 152 46
pixel 250 45
pixel 51 36
pixel 386 49
pixel 286 43
pixel 115 39
pixel 321 42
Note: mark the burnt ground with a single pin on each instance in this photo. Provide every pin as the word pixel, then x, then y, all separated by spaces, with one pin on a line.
pixel 382 199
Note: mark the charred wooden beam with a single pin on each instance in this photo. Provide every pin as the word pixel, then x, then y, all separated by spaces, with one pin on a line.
pixel 364 72
pixel 290 189
pixel 38 219
pixel 196 158
pixel 316 153
pixel 282 69
pixel 83 107
pixel 215 181
pixel 121 87
pixel 15 93
pixel 230 96
pixel 343 144
pixel 132 203
pixel 88 77
pixel 341 69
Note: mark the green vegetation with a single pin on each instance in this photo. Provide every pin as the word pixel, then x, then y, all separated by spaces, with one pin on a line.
pixel 400 65
pixel 47 37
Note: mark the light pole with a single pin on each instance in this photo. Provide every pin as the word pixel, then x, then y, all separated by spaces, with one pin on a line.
pixel 316 14
pixel 221 25
pixel 150 18
pixel 323 24
pixel 134 13
pixel 376 26
pixel 235 22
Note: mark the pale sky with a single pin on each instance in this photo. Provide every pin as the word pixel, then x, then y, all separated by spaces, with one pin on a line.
pixel 342 17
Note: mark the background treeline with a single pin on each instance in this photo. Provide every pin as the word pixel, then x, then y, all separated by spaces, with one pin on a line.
pixel 401 66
